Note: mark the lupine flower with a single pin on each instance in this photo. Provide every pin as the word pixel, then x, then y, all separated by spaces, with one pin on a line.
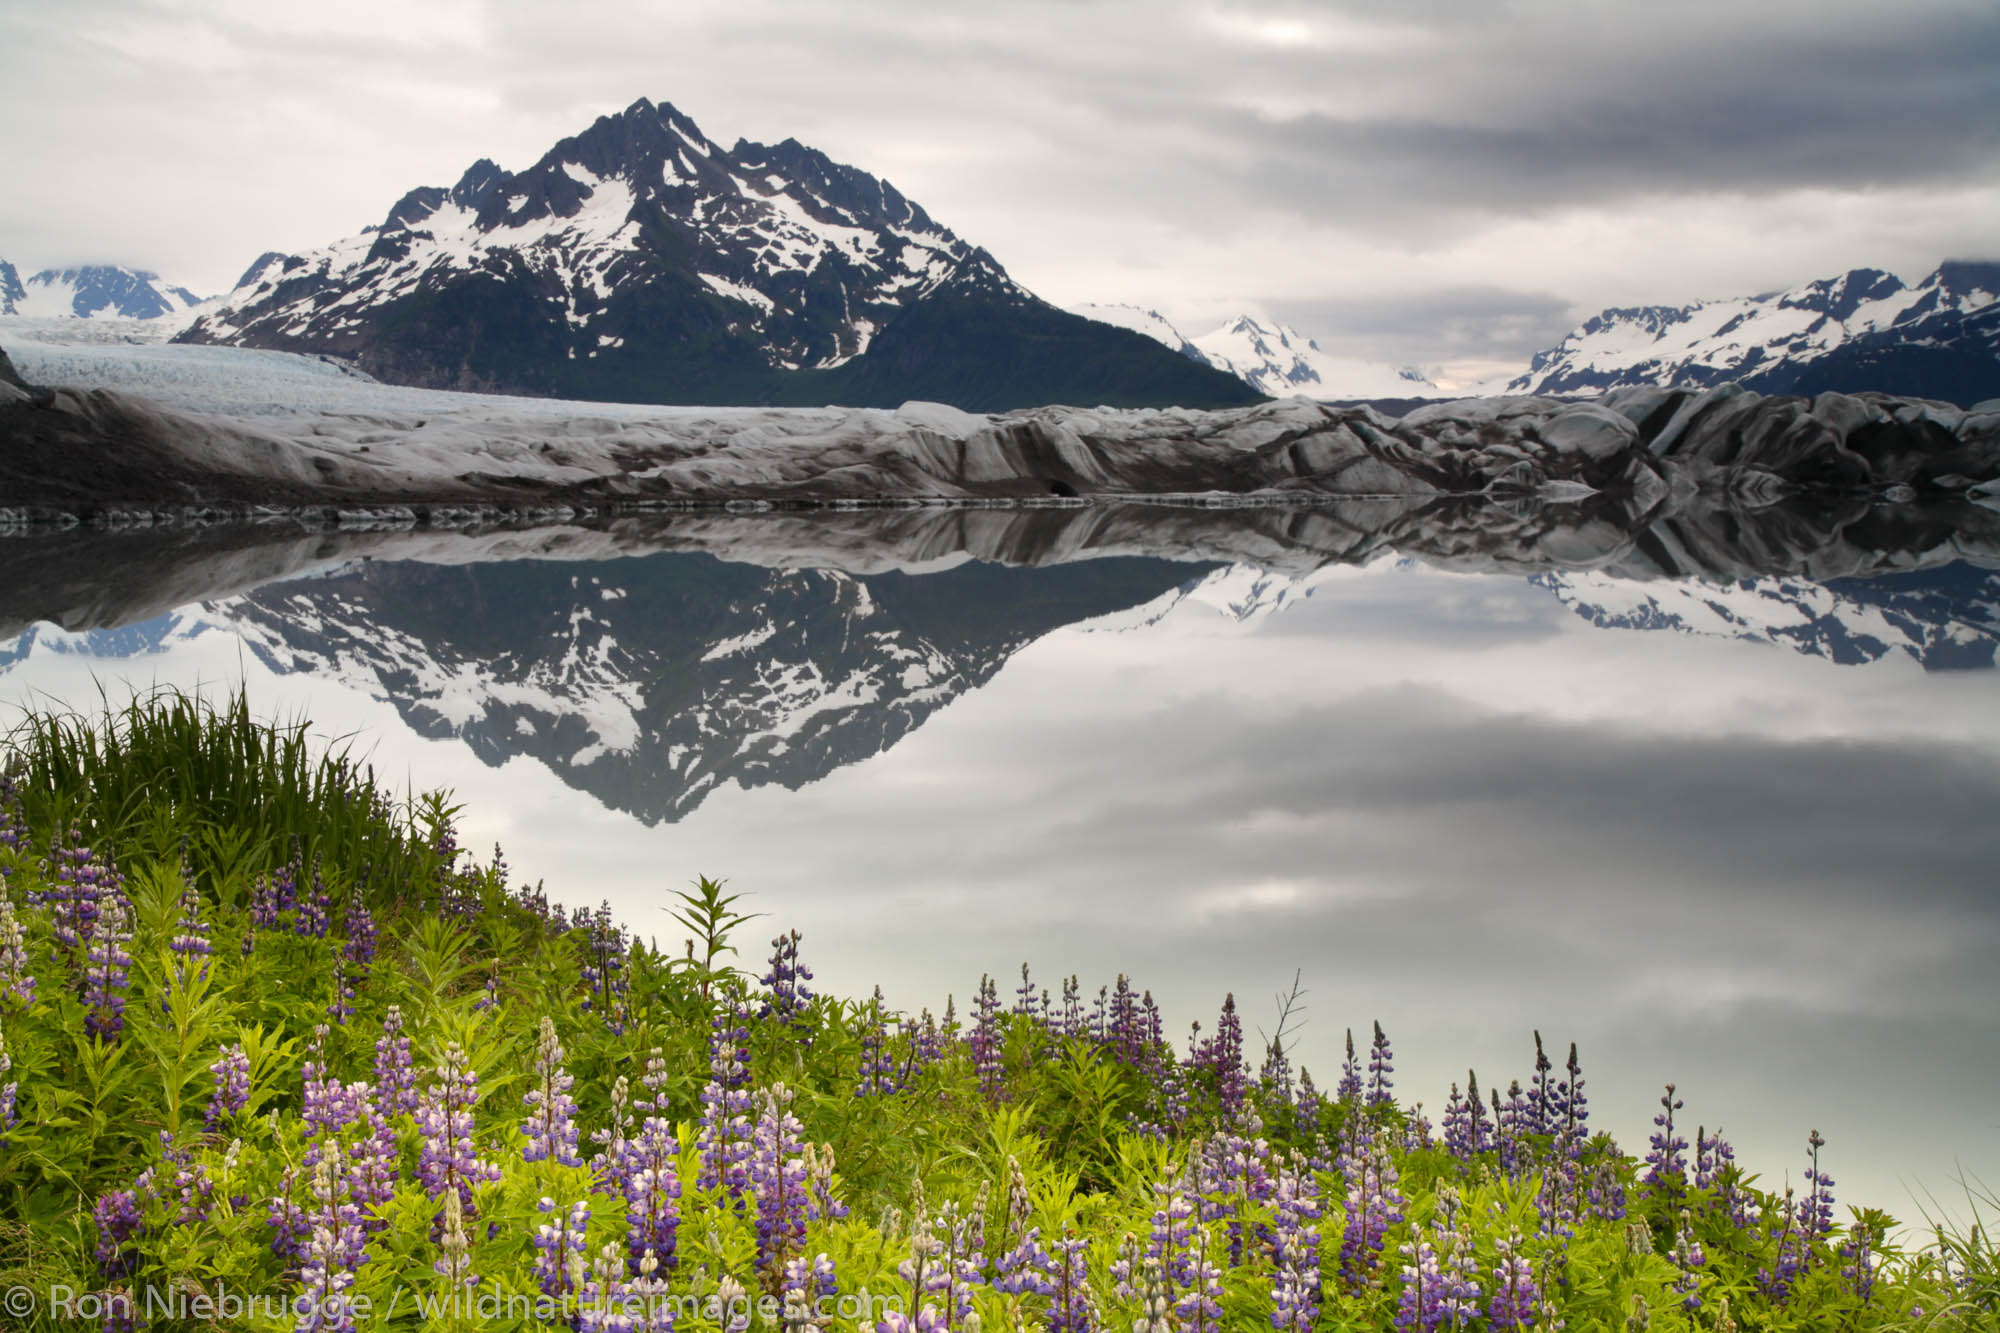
pixel 449 1163
pixel 1025 1002
pixel 395 1077
pixel 1374 1204
pixel 1380 1085
pixel 1543 1094
pixel 328 1105
pixel 1348 1091
pixel 332 1253
pixel 1225 1058
pixel 1816 1212
pixel 107 968
pixel 878 1071
pixel 822 1204
pixel 17 985
pixel 1072 1307
pixel 551 1123
pixel 1607 1193
pixel 1858 1254
pixel 373 1165
pixel 1234 1179
pixel 558 1245
pixel 723 1143
pixel 1276 1074
pixel 604 978
pixel 359 927
pixel 117 1215
pixel 1689 1259
pixel 1515 1292
pixel 777 1178
pixel 266 904
pixel 454 1261
pixel 1776 1281
pixel 801 1283
pixel 1666 1165
pixel 789 996
pixel 287 1219
pixel 190 943
pixel 1072 1023
pixel 315 914
pixel 9 1091
pixel 986 1038
pixel 231 1075
pixel 1420 1307
pixel 79 880
pixel 1295 1281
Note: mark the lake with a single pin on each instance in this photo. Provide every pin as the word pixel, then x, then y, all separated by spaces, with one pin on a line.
pixel 1715 802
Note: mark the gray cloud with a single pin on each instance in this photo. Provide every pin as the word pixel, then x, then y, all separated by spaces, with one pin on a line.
pixel 1323 158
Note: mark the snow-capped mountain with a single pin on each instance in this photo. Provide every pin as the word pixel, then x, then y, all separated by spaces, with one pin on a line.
pixel 651 681
pixel 1946 618
pixel 640 261
pixel 1274 359
pixel 95 291
pixel 1865 329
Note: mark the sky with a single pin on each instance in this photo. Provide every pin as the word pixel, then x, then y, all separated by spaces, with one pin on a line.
pixel 1452 184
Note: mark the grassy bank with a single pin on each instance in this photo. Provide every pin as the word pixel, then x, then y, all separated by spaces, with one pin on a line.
pixel 281 1054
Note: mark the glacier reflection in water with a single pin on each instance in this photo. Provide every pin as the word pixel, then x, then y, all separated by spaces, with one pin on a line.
pixel 1734 833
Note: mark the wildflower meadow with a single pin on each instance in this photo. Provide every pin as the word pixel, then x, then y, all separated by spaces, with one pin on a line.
pixel 280 1054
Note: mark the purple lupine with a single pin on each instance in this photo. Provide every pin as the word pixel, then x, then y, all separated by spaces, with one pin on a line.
pixel 315 910
pixel 449 1163
pixel 395 1075
pixel 1374 1204
pixel 878 1070
pixel 1543 1094
pixel 79 879
pixel 1689 1259
pixel 777 1178
pixel 359 928
pixel 287 1220
pixel 1666 1162
pixel 1459 1295
pixel 334 1248
pixel 108 968
pixel 1511 1120
pixel 1606 1193
pixel 1420 1306
pixel 1226 1058
pixel 1310 1108
pixel 328 1105
pixel 1348 1091
pixel 266 906
pixel 454 1261
pixel 1234 1179
pixel 926 1044
pixel 1816 1212
pixel 17 984
pixel 604 980
pixel 1072 1306
pixel 559 1246
pixel 611 1163
pixel 788 995
pixel 551 1123
pixel 1715 1168
pixel 1380 1086
pixel 822 1204
pixel 374 1165
pixel 986 1039
pixel 1295 1280
pixel 231 1076
pixel 649 1179
pixel 1025 1002
pixel 190 944
pixel 1072 1022
pixel 118 1217
pixel 1859 1262
pixel 1776 1281
pixel 1457 1126
pixel 1275 1077
pixel 1125 1030
pixel 723 1144
pixel 10 1092
pixel 1515 1291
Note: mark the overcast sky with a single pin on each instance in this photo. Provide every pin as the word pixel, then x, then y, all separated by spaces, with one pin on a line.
pixel 1450 183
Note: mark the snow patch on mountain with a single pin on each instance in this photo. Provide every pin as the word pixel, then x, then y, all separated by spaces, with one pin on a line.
pixel 1272 358
pixel 97 291
pixel 1707 342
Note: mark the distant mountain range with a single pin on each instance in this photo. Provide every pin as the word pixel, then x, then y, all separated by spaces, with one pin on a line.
pixel 92 292
pixel 1863 330
pixel 641 262
pixel 1272 358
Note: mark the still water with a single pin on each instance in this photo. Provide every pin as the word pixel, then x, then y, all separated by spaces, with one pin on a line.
pixel 1734 832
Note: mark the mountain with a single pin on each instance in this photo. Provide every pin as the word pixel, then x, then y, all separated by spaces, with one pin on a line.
pixel 1864 330
pixel 1272 358
pixel 641 262
pixel 649 682
pixel 1945 619
pixel 95 291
